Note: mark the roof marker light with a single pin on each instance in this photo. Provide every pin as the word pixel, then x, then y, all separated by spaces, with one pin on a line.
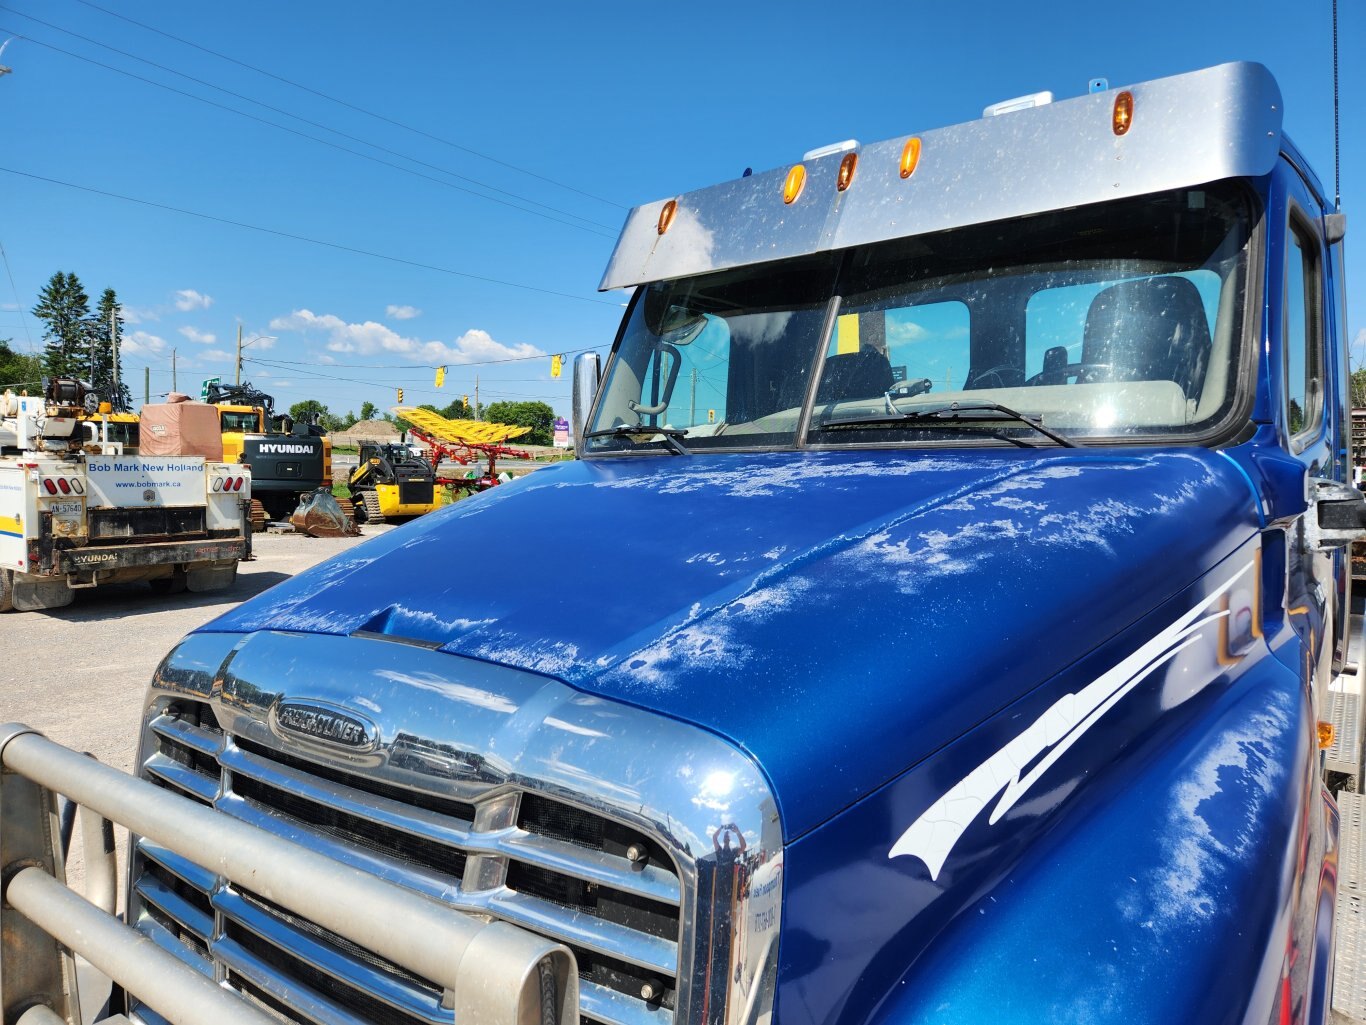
pixel 666 216
pixel 796 181
pixel 1123 115
pixel 846 175
pixel 910 156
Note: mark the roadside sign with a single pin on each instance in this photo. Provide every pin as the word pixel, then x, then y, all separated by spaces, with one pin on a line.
pixel 204 388
pixel 561 432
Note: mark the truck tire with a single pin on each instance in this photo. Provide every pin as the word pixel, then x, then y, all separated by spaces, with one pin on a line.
pixel 6 590
pixel 174 584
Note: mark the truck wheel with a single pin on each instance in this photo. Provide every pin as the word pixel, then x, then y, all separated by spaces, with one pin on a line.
pixel 6 590
pixel 174 584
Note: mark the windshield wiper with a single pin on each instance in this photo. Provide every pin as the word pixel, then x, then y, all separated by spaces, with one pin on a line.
pixel 669 434
pixel 977 412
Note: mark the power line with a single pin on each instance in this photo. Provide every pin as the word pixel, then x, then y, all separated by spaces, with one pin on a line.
pixel 351 106
pixel 304 238
pixel 434 366
pixel 22 319
pixel 297 117
pixel 312 138
pixel 297 368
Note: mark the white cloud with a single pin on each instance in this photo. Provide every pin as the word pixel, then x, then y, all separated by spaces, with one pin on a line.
pixel 14 307
pixel 370 338
pixel 139 314
pixel 140 343
pixel 402 312
pixel 217 356
pixel 187 299
pixel 201 337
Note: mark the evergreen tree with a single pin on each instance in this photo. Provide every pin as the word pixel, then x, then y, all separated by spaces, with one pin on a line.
pixel 106 327
pixel 65 308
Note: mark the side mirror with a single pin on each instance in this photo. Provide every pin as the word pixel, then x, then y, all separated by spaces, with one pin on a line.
pixel 587 371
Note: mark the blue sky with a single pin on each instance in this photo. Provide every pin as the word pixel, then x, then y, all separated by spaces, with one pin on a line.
pixel 573 113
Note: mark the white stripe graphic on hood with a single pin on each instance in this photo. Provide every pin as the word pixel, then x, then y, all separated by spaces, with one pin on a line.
pixel 932 836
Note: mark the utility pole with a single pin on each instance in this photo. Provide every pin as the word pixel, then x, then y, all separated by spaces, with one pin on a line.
pixel 239 354
pixel 173 379
pixel 146 386
pixel 476 397
pixel 692 413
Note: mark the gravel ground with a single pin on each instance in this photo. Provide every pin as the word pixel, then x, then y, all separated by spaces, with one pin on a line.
pixel 79 674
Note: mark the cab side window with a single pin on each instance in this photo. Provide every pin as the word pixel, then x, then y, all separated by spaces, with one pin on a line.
pixel 1302 330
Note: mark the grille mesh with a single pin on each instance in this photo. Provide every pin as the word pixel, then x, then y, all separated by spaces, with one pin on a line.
pixel 558 880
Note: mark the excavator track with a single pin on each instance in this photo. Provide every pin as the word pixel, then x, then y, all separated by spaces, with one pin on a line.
pixel 373 513
pixel 257 516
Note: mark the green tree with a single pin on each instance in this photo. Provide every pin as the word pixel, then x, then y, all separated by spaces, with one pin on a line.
pixel 19 371
pixel 1358 398
pixel 104 358
pixel 64 308
pixel 536 415
pixel 311 411
pixel 368 410
pixel 458 410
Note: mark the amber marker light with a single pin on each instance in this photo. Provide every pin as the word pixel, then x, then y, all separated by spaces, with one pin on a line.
pixel 666 216
pixel 1123 115
pixel 847 168
pixel 796 181
pixel 1326 734
pixel 910 156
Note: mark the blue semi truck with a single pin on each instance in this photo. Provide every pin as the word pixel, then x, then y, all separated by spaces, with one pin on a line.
pixel 954 629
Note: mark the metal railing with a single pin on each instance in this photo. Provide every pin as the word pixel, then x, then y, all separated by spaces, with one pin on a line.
pixel 492 973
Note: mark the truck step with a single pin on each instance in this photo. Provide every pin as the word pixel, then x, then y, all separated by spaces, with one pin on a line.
pixel 1349 966
pixel 1344 712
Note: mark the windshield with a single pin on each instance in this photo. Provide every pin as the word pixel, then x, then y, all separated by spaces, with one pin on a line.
pixel 244 423
pixel 1115 321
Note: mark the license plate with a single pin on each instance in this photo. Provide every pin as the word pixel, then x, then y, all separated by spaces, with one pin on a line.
pixel 66 508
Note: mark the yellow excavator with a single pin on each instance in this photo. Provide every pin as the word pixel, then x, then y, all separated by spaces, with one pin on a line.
pixel 288 460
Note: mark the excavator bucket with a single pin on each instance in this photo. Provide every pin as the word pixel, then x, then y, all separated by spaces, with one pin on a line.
pixel 319 515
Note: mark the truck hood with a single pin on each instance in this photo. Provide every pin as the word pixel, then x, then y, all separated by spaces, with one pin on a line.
pixel 838 615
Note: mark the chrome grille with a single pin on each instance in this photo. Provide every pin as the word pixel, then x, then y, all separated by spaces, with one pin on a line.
pixel 601 887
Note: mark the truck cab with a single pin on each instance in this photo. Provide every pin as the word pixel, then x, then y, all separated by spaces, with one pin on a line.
pixel 956 630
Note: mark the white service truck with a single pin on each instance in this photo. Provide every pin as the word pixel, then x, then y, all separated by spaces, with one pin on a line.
pixel 77 511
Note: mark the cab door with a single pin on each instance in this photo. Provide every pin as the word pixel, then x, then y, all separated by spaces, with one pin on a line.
pixel 1312 419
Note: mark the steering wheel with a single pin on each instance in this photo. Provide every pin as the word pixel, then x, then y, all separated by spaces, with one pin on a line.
pixel 1087 373
pixel 999 372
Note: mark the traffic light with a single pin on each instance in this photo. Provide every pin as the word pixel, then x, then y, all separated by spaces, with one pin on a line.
pixel 400 395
